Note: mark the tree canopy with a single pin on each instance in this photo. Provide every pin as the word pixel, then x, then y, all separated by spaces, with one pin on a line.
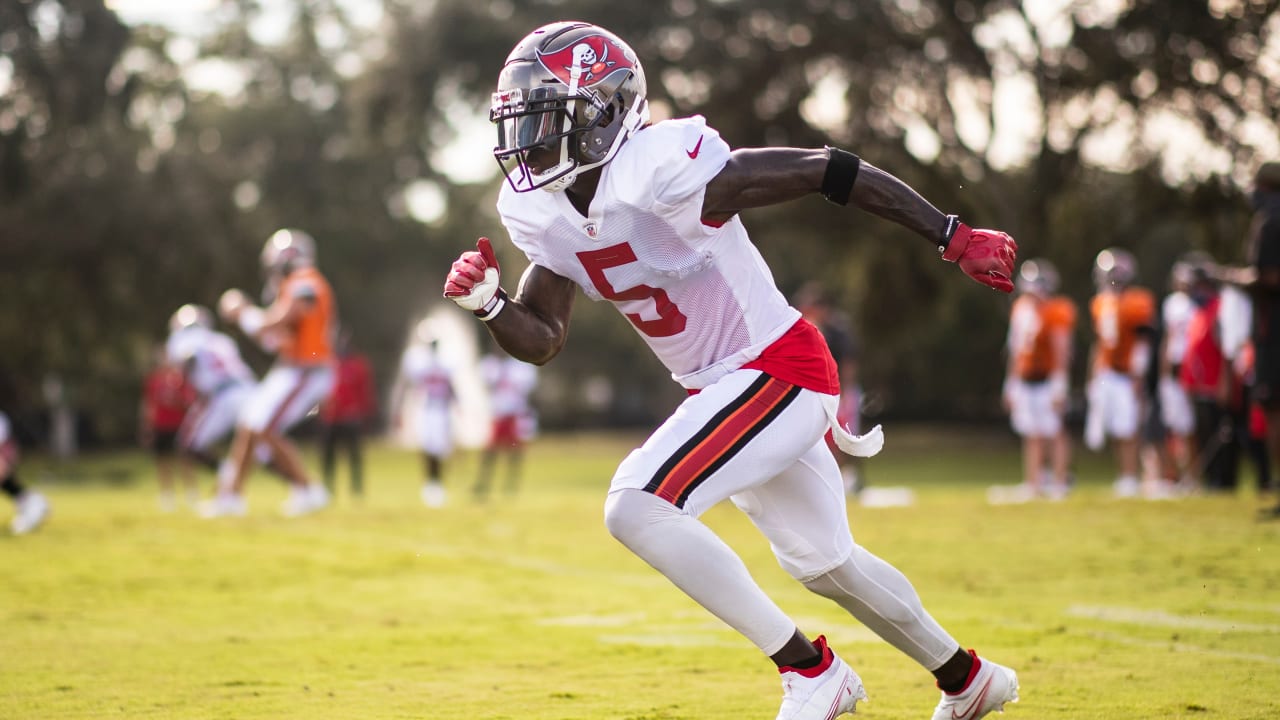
pixel 142 167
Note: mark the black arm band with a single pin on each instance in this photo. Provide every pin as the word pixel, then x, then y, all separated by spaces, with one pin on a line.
pixel 842 170
pixel 948 232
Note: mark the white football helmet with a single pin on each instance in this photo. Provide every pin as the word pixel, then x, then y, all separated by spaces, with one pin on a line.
pixel 1038 277
pixel 1114 268
pixel 189 316
pixel 568 96
pixel 287 250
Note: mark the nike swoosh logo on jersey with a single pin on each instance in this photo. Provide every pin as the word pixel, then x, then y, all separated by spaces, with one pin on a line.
pixel 975 702
pixel 693 154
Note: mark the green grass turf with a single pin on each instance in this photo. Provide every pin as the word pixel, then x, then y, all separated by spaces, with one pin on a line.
pixel 526 608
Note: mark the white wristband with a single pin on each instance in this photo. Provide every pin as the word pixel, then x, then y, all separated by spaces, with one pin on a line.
pixel 495 307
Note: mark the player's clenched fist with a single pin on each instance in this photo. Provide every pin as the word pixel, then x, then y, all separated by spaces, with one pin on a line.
pixel 984 255
pixel 473 281
pixel 231 304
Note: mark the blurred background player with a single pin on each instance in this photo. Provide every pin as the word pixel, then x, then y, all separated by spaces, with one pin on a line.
pixel 425 389
pixel 1036 382
pixel 510 383
pixel 346 414
pixel 1216 336
pixel 299 325
pixel 1261 279
pixel 815 305
pixel 222 382
pixel 1122 317
pixel 1176 416
pixel 30 507
pixel 166 399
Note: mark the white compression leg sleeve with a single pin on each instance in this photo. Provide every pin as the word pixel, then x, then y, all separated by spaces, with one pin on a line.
pixel 690 555
pixel 882 598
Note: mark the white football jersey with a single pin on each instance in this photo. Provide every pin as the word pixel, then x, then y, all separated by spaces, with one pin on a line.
pixel 429 375
pixel 700 296
pixel 212 359
pixel 1176 312
pixel 510 382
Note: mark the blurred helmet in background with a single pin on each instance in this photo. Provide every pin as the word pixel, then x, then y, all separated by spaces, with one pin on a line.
pixel 1038 277
pixel 287 250
pixel 1114 268
pixel 189 316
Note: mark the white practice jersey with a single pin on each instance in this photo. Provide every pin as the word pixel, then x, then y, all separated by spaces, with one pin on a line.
pixel 700 296
pixel 212 360
pixel 427 374
pixel 1175 314
pixel 510 382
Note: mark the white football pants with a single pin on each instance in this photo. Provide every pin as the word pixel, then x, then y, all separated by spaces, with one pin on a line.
pixel 759 441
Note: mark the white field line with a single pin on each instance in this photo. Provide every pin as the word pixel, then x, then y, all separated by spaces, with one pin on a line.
pixel 1159 618
pixel 1186 648
pixel 537 564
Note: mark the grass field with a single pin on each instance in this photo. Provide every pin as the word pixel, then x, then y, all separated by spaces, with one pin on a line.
pixel 526 608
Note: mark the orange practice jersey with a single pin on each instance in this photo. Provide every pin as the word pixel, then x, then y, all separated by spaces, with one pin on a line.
pixel 310 342
pixel 1117 317
pixel 1033 325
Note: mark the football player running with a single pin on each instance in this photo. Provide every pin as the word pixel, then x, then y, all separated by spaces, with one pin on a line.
pixel 223 382
pixel 646 216
pixel 299 324
pixel 30 507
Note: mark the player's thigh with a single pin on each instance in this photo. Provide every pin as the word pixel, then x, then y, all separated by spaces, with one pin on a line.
pixel 1021 411
pixel 285 396
pixel 802 513
pixel 733 435
pixel 435 435
pixel 215 421
pixel 1121 402
pixel 1175 407
pixel 1045 419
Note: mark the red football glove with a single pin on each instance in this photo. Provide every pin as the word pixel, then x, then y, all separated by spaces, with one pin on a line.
pixel 984 255
pixel 473 281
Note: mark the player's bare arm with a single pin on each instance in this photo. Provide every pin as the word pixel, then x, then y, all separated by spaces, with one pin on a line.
pixel 536 324
pixel 756 177
pixel 285 312
pixel 533 325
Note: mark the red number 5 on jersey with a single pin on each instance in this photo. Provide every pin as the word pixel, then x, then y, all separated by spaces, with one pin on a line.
pixel 670 320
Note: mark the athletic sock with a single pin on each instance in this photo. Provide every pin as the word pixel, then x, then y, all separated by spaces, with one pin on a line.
pixel 11 487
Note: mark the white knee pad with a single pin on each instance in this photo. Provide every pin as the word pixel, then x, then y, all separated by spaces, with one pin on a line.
pixel 629 513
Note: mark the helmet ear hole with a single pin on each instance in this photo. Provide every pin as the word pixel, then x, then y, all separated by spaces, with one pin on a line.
pixel 611 110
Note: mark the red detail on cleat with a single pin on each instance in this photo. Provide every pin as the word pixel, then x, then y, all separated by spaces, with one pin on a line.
pixel 816 670
pixel 973 672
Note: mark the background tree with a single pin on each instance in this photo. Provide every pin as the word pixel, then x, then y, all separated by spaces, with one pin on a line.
pixel 130 183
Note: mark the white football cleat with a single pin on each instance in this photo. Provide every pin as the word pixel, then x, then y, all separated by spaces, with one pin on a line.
pixel 1127 486
pixel 224 504
pixel 31 510
pixel 305 500
pixel 433 494
pixel 990 687
pixel 820 693
pixel 320 497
